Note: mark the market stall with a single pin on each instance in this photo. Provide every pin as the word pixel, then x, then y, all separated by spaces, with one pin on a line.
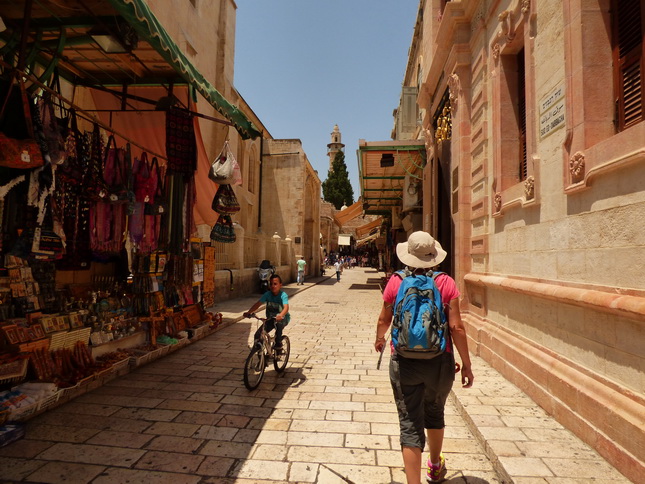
pixel 100 269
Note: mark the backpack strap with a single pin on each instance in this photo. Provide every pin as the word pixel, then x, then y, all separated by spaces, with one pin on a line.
pixel 403 273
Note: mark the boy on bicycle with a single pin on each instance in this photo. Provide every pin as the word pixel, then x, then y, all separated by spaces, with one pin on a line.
pixel 277 306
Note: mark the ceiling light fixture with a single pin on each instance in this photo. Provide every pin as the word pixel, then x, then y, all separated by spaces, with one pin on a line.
pixel 117 39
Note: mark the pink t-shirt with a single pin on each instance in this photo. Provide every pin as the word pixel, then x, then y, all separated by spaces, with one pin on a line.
pixel 446 285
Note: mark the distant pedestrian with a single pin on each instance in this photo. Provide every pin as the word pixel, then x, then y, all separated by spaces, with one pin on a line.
pixel 338 266
pixel 301 271
pixel 421 386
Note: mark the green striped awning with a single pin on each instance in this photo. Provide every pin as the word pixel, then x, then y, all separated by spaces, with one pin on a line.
pixel 138 15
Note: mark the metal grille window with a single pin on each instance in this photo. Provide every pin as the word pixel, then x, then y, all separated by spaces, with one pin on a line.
pixel 225 256
pixel 628 18
pixel 251 257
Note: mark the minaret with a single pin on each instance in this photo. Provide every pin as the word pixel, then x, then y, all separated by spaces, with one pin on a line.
pixel 335 146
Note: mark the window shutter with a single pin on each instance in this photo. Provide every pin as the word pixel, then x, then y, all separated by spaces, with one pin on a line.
pixel 628 16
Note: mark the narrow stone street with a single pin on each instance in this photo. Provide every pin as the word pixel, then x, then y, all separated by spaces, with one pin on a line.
pixel 330 418
pixel 188 418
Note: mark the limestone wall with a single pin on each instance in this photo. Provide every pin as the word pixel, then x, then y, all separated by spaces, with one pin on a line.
pixel 291 199
pixel 550 264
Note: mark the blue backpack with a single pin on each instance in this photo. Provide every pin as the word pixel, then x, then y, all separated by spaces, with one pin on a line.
pixel 420 326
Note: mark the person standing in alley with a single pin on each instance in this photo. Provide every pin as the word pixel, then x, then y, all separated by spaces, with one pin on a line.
pixel 421 386
pixel 338 266
pixel 301 270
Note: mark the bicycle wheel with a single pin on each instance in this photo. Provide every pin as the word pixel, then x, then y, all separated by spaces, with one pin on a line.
pixel 254 368
pixel 281 359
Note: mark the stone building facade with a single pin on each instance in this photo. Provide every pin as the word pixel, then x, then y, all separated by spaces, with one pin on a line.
pixel 205 31
pixel 533 117
pixel 290 201
pixel 279 198
pixel 329 229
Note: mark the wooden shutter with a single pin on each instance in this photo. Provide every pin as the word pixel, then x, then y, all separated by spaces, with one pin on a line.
pixel 627 27
pixel 521 115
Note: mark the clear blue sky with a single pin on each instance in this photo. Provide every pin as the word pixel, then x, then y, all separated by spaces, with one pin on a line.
pixel 305 65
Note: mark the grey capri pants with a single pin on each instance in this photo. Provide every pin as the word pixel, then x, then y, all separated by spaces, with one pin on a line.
pixel 421 388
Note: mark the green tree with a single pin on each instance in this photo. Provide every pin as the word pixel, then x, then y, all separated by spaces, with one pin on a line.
pixel 337 189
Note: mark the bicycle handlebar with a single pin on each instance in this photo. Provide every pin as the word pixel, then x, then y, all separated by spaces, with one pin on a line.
pixel 253 315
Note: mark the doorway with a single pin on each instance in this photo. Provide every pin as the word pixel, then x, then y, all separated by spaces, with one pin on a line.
pixel 445 224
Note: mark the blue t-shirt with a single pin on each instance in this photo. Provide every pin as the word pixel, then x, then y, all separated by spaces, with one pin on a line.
pixel 275 304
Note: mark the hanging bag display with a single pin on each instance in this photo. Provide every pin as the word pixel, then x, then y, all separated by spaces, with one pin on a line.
pixel 20 153
pixel 94 185
pixel 225 202
pixel 70 171
pixel 223 168
pixel 115 173
pixel 223 230
pixel 52 131
pixel 159 205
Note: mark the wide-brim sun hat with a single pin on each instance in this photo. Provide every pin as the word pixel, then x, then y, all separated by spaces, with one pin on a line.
pixel 420 251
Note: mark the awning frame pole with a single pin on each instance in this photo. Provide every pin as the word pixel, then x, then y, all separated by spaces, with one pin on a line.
pixel 151 102
pixel 34 80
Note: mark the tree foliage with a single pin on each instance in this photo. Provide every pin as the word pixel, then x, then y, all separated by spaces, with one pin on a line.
pixel 337 189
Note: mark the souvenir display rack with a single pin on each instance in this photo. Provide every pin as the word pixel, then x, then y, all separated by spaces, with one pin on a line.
pixel 99 273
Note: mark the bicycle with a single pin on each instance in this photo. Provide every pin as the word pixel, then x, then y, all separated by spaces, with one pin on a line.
pixel 261 352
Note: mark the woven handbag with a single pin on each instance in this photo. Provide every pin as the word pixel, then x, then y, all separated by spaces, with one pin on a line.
pixel 225 202
pixel 223 167
pixel 223 230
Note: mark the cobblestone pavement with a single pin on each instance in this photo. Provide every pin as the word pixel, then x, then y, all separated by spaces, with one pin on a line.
pixel 330 418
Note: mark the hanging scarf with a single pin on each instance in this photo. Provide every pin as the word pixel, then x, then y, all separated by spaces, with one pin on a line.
pixel 181 145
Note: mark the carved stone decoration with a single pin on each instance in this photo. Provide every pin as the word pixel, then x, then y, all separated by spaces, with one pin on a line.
pixel 454 85
pixel 429 141
pixel 505 21
pixel 577 166
pixel 509 20
pixel 497 202
pixel 529 188
pixel 427 136
pixel 496 51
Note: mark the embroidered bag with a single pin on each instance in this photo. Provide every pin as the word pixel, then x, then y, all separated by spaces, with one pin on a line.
pixel 70 171
pixel 225 202
pixel 94 185
pixel 52 131
pixel 115 173
pixel 159 205
pixel 223 230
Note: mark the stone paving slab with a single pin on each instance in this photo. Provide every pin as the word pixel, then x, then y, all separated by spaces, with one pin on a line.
pixel 330 418
pixel 525 444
